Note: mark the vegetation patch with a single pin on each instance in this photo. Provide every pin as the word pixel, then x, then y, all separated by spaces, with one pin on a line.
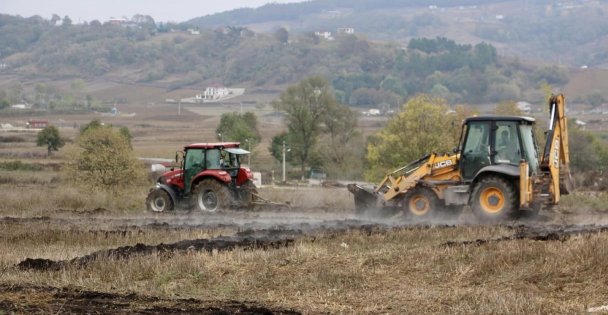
pixel 20 166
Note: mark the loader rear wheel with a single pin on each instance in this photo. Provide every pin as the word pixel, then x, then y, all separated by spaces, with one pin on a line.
pixel 494 199
pixel 159 201
pixel 210 195
pixel 420 203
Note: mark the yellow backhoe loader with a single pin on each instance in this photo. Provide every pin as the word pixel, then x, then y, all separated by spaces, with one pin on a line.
pixel 496 170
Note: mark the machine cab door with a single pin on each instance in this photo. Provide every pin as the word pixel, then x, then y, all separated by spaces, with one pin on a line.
pixel 193 164
pixel 507 147
pixel 476 150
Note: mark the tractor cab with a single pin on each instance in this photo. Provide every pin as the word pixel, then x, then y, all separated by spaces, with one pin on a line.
pixel 500 141
pixel 218 160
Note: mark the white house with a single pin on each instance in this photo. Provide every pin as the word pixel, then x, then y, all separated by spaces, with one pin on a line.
pixel 324 35
pixel 524 106
pixel 346 30
pixel 213 93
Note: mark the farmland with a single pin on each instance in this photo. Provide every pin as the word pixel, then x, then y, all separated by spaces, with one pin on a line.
pixel 68 251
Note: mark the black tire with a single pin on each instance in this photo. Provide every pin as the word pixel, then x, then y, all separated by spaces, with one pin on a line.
pixel 420 203
pixel 210 195
pixel 159 200
pixel 494 199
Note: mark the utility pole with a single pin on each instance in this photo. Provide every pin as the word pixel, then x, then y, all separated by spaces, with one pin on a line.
pixel 283 161
pixel 179 108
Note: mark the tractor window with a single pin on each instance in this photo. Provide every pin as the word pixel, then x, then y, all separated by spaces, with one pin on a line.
pixel 213 159
pixel 506 142
pixel 194 157
pixel 193 165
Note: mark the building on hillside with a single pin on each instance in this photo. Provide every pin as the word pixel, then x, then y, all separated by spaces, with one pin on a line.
pixel 117 21
pixel 324 35
pixel 194 31
pixel 524 106
pixel 213 93
pixel 36 124
pixel 346 30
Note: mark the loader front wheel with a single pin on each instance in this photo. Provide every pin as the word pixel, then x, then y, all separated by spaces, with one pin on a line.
pixel 420 203
pixel 494 199
pixel 210 195
pixel 159 201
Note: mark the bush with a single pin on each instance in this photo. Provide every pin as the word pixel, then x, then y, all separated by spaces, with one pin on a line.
pixel 103 160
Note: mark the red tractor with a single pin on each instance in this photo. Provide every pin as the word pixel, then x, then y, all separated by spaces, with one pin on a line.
pixel 210 178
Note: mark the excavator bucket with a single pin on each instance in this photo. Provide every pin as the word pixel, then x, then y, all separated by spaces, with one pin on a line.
pixel 365 197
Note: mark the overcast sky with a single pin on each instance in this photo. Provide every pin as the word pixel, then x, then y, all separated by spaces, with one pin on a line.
pixel 160 10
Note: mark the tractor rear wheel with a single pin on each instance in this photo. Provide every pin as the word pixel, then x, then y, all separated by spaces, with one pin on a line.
pixel 159 201
pixel 210 195
pixel 420 203
pixel 494 199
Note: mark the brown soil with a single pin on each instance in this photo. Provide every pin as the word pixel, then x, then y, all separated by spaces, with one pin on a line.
pixel 26 299
pixel 538 233
pixel 208 245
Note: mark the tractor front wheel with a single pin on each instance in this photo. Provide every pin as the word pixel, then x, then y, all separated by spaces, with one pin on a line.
pixel 210 195
pixel 420 203
pixel 494 199
pixel 159 201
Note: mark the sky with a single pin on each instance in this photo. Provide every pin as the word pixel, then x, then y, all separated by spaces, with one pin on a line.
pixel 102 10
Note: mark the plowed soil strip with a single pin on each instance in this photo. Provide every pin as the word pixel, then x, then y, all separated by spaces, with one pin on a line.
pixel 538 233
pixel 209 245
pixel 24 299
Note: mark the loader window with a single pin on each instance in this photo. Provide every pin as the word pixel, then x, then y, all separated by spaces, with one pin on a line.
pixel 476 149
pixel 506 143
pixel 527 137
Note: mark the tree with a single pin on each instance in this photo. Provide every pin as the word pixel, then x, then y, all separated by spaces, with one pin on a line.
pixel 508 108
pixel 104 160
pixel 421 128
pixel 281 35
pixel 239 127
pixel 341 148
pixel 305 106
pixel 49 137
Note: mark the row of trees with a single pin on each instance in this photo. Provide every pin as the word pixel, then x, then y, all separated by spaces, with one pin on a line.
pixel 320 132
pixel 49 97
pixel 362 72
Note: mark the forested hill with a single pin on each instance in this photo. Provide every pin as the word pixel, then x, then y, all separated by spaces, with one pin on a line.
pixel 297 11
pixel 362 72
pixel 572 32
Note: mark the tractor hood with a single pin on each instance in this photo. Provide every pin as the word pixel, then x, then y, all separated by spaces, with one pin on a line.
pixel 236 151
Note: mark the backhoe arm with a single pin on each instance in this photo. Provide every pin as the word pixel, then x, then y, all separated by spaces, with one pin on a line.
pixel 556 156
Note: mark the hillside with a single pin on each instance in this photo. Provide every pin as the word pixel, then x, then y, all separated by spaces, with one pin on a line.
pixel 363 72
pixel 573 33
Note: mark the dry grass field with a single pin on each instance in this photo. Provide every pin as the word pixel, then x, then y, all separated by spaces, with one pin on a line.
pixel 65 250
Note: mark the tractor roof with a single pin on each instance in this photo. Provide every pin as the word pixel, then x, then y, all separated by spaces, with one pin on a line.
pixel 525 119
pixel 213 145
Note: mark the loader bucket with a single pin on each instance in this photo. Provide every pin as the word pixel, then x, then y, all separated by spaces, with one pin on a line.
pixel 365 197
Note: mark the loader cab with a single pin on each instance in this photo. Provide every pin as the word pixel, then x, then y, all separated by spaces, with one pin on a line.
pixel 497 140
